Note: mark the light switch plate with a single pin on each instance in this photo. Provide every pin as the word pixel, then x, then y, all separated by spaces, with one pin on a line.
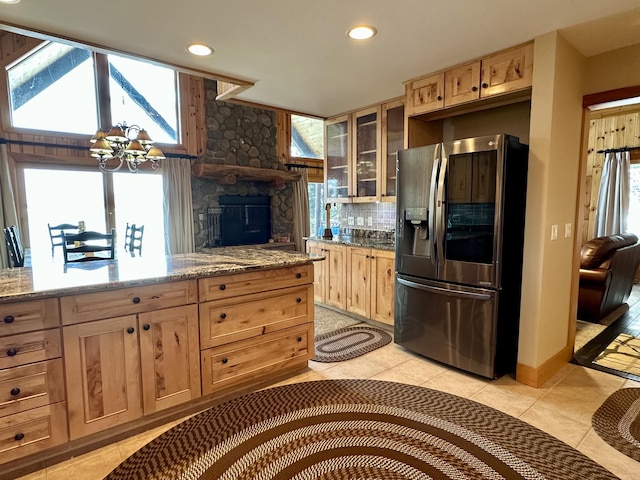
pixel 554 232
pixel 369 221
pixel 360 221
pixel 350 221
pixel 567 230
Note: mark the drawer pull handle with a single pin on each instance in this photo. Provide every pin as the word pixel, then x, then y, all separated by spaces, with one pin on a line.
pixel 18 437
pixel 146 326
pixel 298 275
pixel 131 330
pixel 223 315
pixel 136 299
pixel 299 339
pixel 223 287
pixel 225 360
pixel 485 85
pixel 9 319
pixel 298 299
pixel 439 97
pixel 15 392
pixel 12 352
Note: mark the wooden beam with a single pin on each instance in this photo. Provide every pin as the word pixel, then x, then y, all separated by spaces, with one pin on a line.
pixel 223 174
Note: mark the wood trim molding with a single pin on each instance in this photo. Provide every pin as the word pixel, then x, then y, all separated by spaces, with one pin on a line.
pixel 610 96
pixel 537 376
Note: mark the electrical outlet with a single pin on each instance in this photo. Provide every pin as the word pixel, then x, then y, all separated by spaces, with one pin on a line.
pixel 360 221
pixel 369 221
pixel 350 221
pixel 554 232
pixel 567 230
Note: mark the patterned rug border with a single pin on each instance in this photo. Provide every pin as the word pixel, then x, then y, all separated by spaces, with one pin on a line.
pixel 348 346
pixel 480 439
pixel 617 421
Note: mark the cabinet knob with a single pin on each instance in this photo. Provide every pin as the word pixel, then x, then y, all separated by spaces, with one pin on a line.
pixel 18 437
pixel 225 360
pixel 136 299
pixel 474 89
pixel 383 195
pixel 299 339
pixel 12 352
pixel 439 97
pixel 223 287
pixel 485 85
pixel 298 275
pixel 366 256
pixel 146 326
pixel 372 256
pixel 9 319
pixel 298 299
pixel 15 392
pixel 131 330
pixel 223 315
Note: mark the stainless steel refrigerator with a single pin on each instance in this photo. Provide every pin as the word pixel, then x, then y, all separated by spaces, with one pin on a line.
pixel 460 210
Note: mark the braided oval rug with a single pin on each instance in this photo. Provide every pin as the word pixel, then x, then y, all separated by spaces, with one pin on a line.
pixel 355 429
pixel 349 342
pixel 617 421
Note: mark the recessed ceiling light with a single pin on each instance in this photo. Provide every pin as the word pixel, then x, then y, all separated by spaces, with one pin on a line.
pixel 361 32
pixel 200 49
pixel 9 1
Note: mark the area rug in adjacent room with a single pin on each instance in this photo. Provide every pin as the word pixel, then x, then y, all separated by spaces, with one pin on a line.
pixel 348 343
pixel 622 354
pixel 617 422
pixel 342 429
pixel 327 320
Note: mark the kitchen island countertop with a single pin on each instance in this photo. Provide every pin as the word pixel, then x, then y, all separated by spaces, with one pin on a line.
pixel 357 241
pixel 49 277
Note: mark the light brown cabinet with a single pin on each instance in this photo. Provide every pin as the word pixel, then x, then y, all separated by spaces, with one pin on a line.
pixel 366 154
pixel 392 142
pixel 337 169
pixel 332 279
pixel 425 94
pixel 370 283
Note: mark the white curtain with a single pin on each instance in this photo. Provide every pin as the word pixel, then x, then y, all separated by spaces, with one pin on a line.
pixel 613 198
pixel 301 220
pixel 8 211
pixel 178 206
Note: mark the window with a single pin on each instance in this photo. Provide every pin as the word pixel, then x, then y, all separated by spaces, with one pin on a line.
pixel 307 137
pixel 633 221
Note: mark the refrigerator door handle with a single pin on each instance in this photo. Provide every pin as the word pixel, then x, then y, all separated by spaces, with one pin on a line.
pixel 432 203
pixel 444 291
pixel 440 228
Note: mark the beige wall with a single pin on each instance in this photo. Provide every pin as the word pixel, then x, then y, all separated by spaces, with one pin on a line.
pixel 611 70
pixel 556 122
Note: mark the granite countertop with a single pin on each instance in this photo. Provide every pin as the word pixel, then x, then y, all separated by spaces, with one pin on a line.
pixel 49 276
pixel 357 241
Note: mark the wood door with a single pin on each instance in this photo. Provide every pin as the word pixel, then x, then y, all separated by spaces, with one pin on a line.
pixel 169 357
pixel 366 154
pixel 337 156
pixel 507 71
pixel 358 280
pixel 425 95
pixel 102 372
pixel 382 285
pixel 392 142
pixel 335 278
pixel 462 84
pixel 316 248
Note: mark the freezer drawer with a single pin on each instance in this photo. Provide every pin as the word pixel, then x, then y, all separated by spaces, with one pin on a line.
pixel 452 324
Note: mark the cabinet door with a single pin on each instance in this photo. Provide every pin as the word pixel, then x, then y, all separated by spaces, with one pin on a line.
pixel 170 357
pixel 335 280
pixel 337 151
pixel 382 285
pixel 102 372
pixel 425 95
pixel 318 271
pixel 392 141
pixel 358 280
pixel 507 71
pixel 366 154
pixel 462 84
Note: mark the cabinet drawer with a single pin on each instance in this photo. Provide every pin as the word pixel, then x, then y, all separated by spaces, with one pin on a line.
pixel 250 359
pixel 31 386
pixel 32 431
pixel 30 316
pixel 216 288
pixel 29 348
pixel 226 321
pixel 126 301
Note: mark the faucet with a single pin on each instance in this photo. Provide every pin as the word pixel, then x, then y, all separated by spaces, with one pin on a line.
pixel 327 231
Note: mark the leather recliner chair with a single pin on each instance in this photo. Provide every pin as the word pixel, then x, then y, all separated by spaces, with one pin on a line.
pixel 607 269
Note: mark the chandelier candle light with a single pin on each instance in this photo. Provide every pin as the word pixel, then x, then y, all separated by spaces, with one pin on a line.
pixel 119 142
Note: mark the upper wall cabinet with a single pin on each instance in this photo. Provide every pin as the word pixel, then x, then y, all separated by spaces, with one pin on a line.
pixel 337 148
pixel 503 72
pixel 366 154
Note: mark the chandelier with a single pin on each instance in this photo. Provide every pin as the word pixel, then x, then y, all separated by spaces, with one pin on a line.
pixel 126 143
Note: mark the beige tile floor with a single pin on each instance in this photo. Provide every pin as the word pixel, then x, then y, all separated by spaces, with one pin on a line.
pixel 562 407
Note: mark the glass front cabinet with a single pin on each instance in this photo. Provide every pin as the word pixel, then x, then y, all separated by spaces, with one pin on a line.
pixel 392 142
pixel 366 154
pixel 337 147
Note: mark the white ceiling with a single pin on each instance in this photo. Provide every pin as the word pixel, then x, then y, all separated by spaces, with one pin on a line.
pixel 297 51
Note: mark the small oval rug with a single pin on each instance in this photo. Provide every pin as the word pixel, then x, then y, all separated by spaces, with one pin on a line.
pixel 617 421
pixel 348 343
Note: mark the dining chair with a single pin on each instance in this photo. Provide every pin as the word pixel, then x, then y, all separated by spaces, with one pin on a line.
pixel 133 238
pixel 56 232
pixel 14 246
pixel 87 246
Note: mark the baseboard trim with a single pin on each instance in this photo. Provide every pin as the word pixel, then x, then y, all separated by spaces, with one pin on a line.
pixel 537 376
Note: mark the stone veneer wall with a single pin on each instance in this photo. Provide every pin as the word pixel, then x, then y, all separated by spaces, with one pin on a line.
pixel 246 136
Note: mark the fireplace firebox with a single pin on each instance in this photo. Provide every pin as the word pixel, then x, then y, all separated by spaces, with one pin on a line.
pixel 239 220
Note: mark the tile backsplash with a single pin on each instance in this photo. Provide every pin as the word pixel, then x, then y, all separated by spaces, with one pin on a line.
pixel 368 216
